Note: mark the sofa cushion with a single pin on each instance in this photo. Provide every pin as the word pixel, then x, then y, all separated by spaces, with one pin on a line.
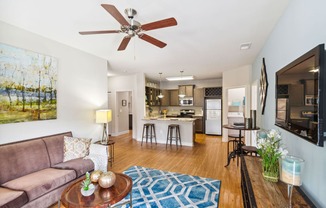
pixel 80 165
pixel 75 148
pixel 41 182
pixel 11 198
pixel 19 159
pixel 54 144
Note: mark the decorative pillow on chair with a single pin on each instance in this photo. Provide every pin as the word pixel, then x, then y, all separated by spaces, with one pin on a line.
pixel 75 148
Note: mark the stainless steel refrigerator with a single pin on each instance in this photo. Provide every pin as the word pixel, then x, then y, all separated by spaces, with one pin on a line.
pixel 213 116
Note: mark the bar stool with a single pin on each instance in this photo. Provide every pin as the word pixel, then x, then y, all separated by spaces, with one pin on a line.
pixel 170 136
pixel 232 138
pixel 249 150
pixel 149 130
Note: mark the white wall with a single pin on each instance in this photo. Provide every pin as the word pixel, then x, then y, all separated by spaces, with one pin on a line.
pixel 129 83
pixel 235 78
pixel 81 86
pixel 300 29
pixel 122 113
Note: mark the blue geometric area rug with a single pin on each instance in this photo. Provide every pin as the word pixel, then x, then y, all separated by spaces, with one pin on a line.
pixel 156 188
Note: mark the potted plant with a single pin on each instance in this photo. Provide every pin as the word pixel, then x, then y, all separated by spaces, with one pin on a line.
pixel 87 188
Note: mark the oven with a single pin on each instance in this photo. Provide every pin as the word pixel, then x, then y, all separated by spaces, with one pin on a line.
pixel 187 113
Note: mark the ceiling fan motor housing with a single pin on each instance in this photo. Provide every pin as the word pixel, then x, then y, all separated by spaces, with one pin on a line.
pixel 130 13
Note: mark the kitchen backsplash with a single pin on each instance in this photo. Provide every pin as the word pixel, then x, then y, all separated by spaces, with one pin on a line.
pixel 173 110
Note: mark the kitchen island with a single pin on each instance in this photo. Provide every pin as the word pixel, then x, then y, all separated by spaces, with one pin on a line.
pixel 187 129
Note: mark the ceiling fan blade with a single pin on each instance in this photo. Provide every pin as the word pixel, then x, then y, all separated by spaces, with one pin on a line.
pixel 115 13
pixel 124 43
pixel 99 32
pixel 159 24
pixel 152 40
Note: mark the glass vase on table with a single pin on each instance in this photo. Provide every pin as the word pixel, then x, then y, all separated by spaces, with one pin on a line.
pixel 291 169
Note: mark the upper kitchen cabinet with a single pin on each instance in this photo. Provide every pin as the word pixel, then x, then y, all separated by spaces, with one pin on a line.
pixel 187 90
pixel 311 87
pixel 199 97
pixel 174 97
pixel 151 96
pixel 165 101
pixel 296 95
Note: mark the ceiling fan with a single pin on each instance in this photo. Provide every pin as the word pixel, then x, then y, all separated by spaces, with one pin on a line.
pixel 133 27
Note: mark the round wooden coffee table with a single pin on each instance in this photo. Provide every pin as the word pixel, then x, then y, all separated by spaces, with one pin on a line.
pixel 102 197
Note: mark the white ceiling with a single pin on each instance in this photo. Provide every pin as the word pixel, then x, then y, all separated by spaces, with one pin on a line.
pixel 205 42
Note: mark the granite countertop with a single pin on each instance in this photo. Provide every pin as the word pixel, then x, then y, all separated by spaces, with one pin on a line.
pixel 298 118
pixel 170 119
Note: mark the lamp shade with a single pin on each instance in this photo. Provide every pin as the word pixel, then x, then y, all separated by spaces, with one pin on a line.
pixel 103 116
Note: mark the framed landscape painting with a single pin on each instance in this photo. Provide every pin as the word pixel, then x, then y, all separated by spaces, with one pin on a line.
pixel 27 85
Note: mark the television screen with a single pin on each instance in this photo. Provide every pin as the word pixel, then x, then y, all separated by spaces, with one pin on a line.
pixel 299 99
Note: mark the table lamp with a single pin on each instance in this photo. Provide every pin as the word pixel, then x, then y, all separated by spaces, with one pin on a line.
pixel 104 117
pixel 291 169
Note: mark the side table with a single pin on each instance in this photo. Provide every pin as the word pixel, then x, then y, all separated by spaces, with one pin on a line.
pixel 110 148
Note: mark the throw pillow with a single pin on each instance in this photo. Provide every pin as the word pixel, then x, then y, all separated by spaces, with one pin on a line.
pixel 75 148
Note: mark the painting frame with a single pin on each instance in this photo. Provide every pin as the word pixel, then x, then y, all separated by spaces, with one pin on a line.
pixel 263 86
pixel 28 85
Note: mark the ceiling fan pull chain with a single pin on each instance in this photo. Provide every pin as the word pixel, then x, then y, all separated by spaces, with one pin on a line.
pixel 134 49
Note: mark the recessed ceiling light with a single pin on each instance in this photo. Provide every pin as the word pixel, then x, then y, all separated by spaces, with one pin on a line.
pixel 245 46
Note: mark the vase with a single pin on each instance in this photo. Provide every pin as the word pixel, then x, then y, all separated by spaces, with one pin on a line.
pixel 107 179
pixel 270 172
pixel 90 191
pixel 95 175
pixel 271 177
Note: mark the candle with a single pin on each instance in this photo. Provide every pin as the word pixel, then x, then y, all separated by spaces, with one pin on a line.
pixel 291 170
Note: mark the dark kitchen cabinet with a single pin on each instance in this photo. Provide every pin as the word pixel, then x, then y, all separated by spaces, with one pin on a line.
pixel 165 101
pixel 296 95
pixel 199 125
pixel 151 96
pixel 199 97
pixel 187 90
pixel 300 123
pixel 174 97
pixel 311 87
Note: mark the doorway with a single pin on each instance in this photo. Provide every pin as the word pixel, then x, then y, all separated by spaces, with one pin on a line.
pixel 123 107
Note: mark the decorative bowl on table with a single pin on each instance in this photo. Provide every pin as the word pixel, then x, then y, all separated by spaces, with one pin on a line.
pixel 90 191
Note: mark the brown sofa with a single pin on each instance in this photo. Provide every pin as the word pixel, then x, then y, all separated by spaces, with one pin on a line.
pixel 33 173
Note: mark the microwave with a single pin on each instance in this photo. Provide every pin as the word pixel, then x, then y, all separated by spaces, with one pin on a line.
pixel 187 101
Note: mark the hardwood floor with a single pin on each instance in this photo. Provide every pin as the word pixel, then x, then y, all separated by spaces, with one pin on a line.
pixel 206 159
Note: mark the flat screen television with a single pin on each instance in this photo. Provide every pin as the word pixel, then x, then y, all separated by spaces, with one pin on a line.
pixel 300 96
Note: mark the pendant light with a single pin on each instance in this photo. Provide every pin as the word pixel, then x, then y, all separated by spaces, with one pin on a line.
pixel 160 95
pixel 181 95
